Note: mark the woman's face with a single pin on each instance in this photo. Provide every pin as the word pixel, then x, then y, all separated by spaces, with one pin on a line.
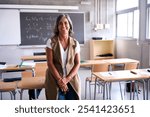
pixel 63 26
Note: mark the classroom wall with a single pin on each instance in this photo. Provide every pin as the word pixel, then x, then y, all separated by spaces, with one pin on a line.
pixel 12 53
pixel 136 48
pixel 130 48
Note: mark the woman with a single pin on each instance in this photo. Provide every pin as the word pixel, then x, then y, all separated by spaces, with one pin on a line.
pixel 63 59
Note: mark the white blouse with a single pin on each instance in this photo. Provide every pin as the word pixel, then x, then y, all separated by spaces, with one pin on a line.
pixel 63 53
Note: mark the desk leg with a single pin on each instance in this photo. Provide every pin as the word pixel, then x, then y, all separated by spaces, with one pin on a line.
pixel 95 89
pixel 110 86
pixel 144 89
pixel 32 92
pixel 104 90
pixel 1 77
pixel 147 89
pixel 131 90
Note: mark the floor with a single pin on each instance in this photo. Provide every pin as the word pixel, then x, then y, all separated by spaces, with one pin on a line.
pixel 83 73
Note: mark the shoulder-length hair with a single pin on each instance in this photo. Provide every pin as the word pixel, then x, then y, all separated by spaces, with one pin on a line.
pixel 56 31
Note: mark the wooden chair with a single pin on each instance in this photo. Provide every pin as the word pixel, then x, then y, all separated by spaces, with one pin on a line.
pixel 40 69
pixel 30 83
pixel 33 82
pixel 91 80
pixel 8 87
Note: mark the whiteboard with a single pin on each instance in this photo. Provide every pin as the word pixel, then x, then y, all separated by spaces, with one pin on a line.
pixel 10 27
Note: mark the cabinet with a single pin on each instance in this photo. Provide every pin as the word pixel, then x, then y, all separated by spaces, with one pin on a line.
pixel 100 48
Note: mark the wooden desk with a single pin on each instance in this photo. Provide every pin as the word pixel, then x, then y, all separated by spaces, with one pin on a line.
pixel 15 68
pixel 120 61
pixel 27 58
pixel 91 62
pixel 114 76
pixel 146 83
pixel 110 61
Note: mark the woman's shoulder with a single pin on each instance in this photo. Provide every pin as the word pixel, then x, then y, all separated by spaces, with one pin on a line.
pixel 74 39
pixel 75 42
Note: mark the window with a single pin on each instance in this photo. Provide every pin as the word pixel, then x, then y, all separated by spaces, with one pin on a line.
pixel 126 4
pixel 148 22
pixel 127 19
pixel 136 24
pixel 128 24
pixel 121 25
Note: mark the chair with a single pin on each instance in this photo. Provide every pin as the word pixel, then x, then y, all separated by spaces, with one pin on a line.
pixel 91 80
pixel 129 66
pixel 40 71
pixel 29 82
pixel 8 87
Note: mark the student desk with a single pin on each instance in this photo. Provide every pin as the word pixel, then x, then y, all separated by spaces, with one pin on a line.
pixel 120 61
pixel 116 76
pixel 146 81
pixel 15 68
pixel 27 58
pixel 91 62
pixel 110 61
pixel 10 68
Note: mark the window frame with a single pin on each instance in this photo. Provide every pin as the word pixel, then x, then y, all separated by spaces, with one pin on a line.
pixel 126 11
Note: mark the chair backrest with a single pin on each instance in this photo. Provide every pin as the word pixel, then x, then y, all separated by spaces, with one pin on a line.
pixel 102 67
pixel 26 74
pixel 130 66
pixel 40 69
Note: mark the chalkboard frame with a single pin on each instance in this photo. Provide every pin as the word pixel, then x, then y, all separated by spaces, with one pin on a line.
pixel 79 34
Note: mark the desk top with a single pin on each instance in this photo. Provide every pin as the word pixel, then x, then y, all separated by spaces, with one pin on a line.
pixel 27 58
pixel 144 71
pixel 91 62
pixel 122 75
pixel 15 68
pixel 110 61
pixel 120 61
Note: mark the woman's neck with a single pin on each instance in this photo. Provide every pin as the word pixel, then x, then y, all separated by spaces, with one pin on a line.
pixel 63 37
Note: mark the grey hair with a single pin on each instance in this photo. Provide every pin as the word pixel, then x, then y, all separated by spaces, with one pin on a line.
pixel 56 31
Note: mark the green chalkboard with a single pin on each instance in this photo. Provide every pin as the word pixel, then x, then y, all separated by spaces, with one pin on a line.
pixel 37 28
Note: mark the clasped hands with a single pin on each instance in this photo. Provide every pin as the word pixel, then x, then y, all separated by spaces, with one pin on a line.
pixel 62 83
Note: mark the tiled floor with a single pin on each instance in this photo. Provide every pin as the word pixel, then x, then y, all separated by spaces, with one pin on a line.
pixel 83 73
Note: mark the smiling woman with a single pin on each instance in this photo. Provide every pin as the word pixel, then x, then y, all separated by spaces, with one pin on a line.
pixel 63 60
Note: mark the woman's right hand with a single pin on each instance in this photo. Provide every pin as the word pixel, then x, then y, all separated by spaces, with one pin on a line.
pixel 62 86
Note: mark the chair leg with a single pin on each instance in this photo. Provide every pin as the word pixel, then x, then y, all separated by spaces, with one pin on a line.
pixel 14 95
pixel 136 89
pixel 104 89
pixel 144 90
pixel 1 96
pixel 95 89
pixel 11 97
pixel 90 90
pixel 121 91
pixel 107 91
pixel 85 89
pixel 110 85
pixel 130 90
pixel 98 88
pixel 21 94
